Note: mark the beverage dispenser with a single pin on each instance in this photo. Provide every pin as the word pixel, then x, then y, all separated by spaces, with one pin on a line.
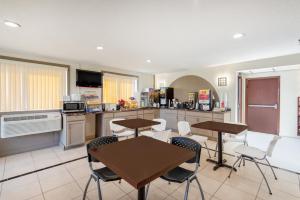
pixel 205 100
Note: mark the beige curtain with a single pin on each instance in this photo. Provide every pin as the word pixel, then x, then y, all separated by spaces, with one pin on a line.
pixel 116 87
pixel 26 86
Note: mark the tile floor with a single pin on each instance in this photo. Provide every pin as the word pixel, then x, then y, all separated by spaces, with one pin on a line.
pixel 67 181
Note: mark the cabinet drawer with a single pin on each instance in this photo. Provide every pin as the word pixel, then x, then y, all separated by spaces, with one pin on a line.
pixel 75 118
pixel 218 116
pixel 199 114
pixel 168 111
pixel 150 111
pixel 140 112
pixel 108 115
pixel 181 112
pixel 125 114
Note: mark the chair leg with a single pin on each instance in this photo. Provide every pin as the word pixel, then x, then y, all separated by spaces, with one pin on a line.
pixel 271 169
pixel 240 162
pixel 187 190
pixel 200 188
pixel 207 150
pixel 99 190
pixel 240 157
pixel 263 175
pixel 86 187
pixel 147 190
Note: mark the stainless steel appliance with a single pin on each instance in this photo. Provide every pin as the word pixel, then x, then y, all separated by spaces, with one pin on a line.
pixel 192 100
pixel 145 97
pixel 166 96
pixel 73 106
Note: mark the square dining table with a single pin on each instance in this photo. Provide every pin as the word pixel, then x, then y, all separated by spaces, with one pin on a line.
pixel 141 160
pixel 220 127
pixel 136 124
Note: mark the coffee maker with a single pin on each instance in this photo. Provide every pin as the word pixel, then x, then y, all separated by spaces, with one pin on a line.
pixel 192 100
pixel 166 95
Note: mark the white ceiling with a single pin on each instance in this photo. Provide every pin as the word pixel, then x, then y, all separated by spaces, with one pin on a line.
pixel 174 34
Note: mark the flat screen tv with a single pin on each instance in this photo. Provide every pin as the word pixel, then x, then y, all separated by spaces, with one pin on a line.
pixel 86 78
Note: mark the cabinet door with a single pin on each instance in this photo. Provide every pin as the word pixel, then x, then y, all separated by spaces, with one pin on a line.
pixel 171 121
pixel 90 126
pixel 106 127
pixel 76 132
pixel 149 116
pixel 203 131
pixel 181 118
pixel 193 120
pixel 131 117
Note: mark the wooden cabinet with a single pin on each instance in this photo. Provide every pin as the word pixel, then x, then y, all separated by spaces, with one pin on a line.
pixel 149 114
pixel 194 118
pixel 73 132
pixel 102 124
pixel 171 116
pixel 90 126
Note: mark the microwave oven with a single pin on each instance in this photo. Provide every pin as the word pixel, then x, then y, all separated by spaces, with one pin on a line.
pixel 73 106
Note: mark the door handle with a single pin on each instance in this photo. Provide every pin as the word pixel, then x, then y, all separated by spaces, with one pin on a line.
pixel 275 106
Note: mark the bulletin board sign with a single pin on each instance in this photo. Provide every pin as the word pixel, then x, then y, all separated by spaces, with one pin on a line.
pixel 204 96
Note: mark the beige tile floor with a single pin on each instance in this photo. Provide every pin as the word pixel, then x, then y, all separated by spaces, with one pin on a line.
pixel 67 181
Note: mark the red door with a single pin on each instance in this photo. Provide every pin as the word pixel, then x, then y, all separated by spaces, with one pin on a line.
pixel 262 104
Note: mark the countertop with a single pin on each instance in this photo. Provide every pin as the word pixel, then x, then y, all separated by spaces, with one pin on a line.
pixel 146 108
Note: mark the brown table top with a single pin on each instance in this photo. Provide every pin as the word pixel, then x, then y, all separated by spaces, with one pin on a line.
pixel 136 123
pixel 141 160
pixel 221 126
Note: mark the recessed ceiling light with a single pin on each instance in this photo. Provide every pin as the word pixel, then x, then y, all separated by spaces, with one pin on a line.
pixel 238 35
pixel 12 24
pixel 100 48
pixel 148 61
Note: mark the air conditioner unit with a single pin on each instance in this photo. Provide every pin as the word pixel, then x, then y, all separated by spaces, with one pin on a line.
pixel 27 124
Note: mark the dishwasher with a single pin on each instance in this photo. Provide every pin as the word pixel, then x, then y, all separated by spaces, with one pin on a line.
pixel 73 132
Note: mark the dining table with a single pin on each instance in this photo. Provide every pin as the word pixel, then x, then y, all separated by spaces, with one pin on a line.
pixel 141 160
pixel 221 128
pixel 136 124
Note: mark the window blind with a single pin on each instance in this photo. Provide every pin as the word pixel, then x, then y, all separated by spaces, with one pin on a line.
pixel 116 87
pixel 28 86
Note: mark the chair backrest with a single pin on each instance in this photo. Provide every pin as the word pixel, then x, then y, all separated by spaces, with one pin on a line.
pixel 183 128
pixel 161 126
pixel 272 145
pixel 98 142
pixel 162 135
pixel 116 127
pixel 189 144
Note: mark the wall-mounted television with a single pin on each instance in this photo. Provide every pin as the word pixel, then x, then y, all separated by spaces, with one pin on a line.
pixel 86 78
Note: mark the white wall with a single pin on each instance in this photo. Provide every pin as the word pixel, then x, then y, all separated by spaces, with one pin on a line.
pixel 211 74
pixel 289 91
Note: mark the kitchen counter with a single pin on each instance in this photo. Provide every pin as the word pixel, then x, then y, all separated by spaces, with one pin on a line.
pixel 153 108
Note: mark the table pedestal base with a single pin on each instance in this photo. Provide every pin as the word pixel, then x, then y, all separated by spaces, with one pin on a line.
pixel 141 193
pixel 222 164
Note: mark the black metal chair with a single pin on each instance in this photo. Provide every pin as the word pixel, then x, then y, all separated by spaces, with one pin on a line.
pixel 179 174
pixel 104 174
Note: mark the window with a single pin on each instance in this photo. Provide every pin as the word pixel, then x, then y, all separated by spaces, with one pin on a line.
pixel 27 86
pixel 116 87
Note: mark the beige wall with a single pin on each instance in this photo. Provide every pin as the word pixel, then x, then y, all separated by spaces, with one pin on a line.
pixel 211 74
pixel 186 84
